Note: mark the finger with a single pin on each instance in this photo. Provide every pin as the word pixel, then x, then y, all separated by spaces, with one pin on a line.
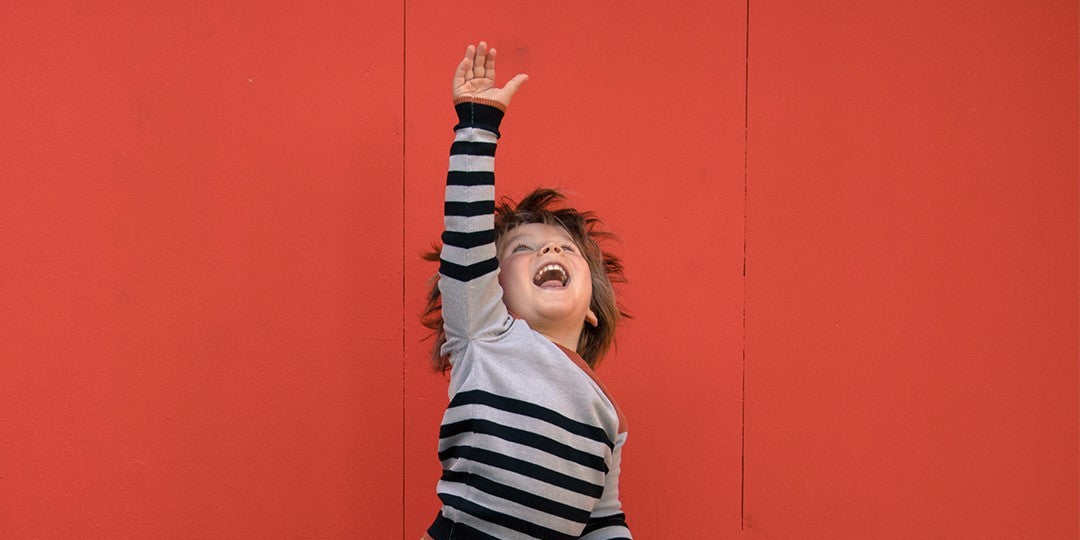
pixel 489 65
pixel 463 67
pixel 470 53
pixel 514 84
pixel 479 59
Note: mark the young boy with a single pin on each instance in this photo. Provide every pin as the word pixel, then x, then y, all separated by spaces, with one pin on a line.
pixel 531 442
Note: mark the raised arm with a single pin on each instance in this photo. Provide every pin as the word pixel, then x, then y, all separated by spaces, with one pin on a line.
pixel 472 305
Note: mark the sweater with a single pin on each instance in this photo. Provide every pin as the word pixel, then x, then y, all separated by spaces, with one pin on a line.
pixel 530 443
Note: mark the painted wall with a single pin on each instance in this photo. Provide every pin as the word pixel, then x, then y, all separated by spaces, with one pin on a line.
pixel 201 270
pixel 638 127
pixel 851 234
pixel 912 287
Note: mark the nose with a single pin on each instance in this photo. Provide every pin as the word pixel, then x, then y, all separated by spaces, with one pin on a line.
pixel 551 248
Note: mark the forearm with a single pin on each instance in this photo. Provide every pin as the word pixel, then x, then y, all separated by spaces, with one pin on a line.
pixel 472 305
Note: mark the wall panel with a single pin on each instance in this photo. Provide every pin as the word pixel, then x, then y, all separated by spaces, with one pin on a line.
pixel 637 111
pixel 912 274
pixel 201 272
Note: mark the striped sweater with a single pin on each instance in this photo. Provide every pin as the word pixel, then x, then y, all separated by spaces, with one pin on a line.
pixel 530 443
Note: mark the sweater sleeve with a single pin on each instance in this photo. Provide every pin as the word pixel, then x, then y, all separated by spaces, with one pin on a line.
pixel 472 306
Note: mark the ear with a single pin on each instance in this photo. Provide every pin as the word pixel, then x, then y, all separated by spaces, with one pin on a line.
pixel 590 318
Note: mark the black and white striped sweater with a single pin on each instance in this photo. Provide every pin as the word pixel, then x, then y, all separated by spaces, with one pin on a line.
pixel 530 444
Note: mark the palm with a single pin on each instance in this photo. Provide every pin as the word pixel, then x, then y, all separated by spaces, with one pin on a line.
pixel 475 77
pixel 477 87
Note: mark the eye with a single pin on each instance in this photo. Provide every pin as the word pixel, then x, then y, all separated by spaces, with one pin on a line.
pixel 569 248
pixel 519 247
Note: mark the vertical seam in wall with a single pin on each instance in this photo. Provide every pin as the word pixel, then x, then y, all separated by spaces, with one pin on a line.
pixel 404 6
pixel 746 225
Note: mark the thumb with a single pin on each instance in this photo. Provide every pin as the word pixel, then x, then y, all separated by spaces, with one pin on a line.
pixel 512 85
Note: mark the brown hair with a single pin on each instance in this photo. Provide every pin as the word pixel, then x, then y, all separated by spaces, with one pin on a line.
pixel 547 206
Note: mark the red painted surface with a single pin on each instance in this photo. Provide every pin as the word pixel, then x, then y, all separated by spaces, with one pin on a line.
pixel 211 217
pixel 200 279
pixel 912 275
pixel 661 162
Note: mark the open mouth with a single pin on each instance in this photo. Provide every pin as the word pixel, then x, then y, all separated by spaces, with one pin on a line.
pixel 551 276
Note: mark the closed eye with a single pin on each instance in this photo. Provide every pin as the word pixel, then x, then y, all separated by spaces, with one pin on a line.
pixel 569 248
pixel 519 247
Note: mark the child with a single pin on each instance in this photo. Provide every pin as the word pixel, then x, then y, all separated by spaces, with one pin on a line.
pixel 531 442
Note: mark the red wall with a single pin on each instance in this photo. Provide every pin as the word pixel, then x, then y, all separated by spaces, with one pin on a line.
pixel 662 164
pixel 851 234
pixel 912 275
pixel 201 267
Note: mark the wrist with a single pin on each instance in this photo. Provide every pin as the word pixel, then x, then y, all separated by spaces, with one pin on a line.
pixel 475 114
pixel 483 101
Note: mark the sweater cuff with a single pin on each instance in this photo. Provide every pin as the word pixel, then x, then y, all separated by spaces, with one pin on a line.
pixel 479 113
pixel 484 101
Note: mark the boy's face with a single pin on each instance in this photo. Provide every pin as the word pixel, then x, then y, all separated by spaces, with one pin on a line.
pixel 545 278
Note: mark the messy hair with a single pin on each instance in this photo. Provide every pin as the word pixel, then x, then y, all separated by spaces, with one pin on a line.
pixel 547 206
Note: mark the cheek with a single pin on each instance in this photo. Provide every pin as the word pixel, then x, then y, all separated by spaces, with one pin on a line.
pixel 513 296
pixel 586 284
pixel 586 275
pixel 504 282
pixel 510 275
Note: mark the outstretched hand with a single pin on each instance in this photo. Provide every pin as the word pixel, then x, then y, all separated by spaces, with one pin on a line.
pixel 475 77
